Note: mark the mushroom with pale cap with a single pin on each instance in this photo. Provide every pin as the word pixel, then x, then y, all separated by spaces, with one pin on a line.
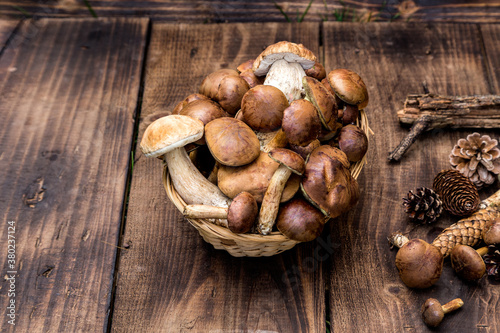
pixel 433 312
pixel 327 181
pixel 300 221
pixel 467 262
pixel 289 162
pixel 167 137
pixel 285 64
pixel 240 216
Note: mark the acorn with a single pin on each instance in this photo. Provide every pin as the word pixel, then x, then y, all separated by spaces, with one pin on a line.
pixel 459 195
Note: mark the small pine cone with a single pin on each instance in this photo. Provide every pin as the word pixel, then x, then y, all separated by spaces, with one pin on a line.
pixel 467 231
pixel 459 195
pixel 492 261
pixel 477 158
pixel 423 205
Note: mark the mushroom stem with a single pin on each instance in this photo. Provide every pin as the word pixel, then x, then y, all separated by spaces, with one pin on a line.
pixel 287 77
pixel 204 212
pixel 453 305
pixel 272 198
pixel 190 183
pixel 482 251
pixel 397 239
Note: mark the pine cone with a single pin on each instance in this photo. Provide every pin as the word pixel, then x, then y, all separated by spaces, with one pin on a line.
pixel 492 261
pixel 459 195
pixel 423 205
pixel 467 231
pixel 477 158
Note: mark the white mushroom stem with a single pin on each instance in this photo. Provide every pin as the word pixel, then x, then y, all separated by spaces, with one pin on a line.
pixel 271 201
pixel 398 240
pixel 190 183
pixel 206 212
pixel 287 77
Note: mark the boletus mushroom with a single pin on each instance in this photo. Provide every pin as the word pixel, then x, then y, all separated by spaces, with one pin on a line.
pixel 419 263
pixel 353 142
pixel 240 216
pixel 289 162
pixel 433 312
pixel 327 181
pixel 285 64
pixel 167 137
pixel 467 262
pixel 299 220
pixel 349 87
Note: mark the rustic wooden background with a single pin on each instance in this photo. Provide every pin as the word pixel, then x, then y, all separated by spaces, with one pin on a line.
pixel 210 11
pixel 105 250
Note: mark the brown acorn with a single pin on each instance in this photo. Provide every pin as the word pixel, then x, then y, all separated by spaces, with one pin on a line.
pixel 460 196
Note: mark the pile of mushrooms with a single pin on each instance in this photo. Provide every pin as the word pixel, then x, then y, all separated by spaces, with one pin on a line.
pixel 282 134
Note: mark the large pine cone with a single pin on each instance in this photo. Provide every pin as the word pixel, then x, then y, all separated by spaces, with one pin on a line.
pixel 459 195
pixel 423 205
pixel 477 158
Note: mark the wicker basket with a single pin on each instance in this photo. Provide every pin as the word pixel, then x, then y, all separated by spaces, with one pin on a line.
pixel 249 245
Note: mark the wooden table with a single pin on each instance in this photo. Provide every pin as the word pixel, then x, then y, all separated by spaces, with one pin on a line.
pixel 100 247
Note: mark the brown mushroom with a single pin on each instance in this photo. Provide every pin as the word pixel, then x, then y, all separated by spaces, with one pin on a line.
pixel 284 63
pixel 468 263
pixel 231 141
pixel 240 216
pixel 300 221
pixel 324 102
pixel 317 71
pixel 187 100
pixel 353 142
pixel 262 108
pixel 327 181
pixel 304 151
pixel 349 87
pixel 245 65
pixel 419 263
pixel 254 178
pixel 210 84
pixel 289 162
pixel 230 92
pixel 350 114
pixel 167 137
pixel 205 110
pixel 301 123
pixel 252 80
pixel 491 232
pixel 433 312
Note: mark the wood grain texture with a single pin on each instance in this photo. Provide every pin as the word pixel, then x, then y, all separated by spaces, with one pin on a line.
pixel 169 279
pixel 366 294
pixel 218 11
pixel 491 40
pixel 6 29
pixel 69 90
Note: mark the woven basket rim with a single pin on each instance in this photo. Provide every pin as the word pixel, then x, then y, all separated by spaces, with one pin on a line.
pixel 248 244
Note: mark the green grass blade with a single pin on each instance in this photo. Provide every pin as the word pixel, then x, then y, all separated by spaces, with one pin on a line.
pixel 305 12
pixel 282 11
pixel 89 7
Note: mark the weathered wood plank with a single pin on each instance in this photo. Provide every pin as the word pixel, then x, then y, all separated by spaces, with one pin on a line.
pixel 491 39
pixel 6 29
pixel 69 92
pixel 395 60
pixel 216 11
pixel 171 280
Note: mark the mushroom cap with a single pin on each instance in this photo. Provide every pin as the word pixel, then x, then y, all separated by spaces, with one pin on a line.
pixel 242 213
pixel 288 51
pixel 288 158
pixel 353 142
pixel 245 65
pixel 252 80
pixel 432 312
pixel 419 263
pixel 491 232
pixel 254 178
pixel 327 181
pixel 304 151
pixel 301 123
pixel 230 92
pixel 350 114
pixel 467 263
pixel 190 98
pixel 324 102
pixel 231 141
pixel 349 87
pixel 170 132
pixel 262 108
pixel 317 71
pixel 205 110
pixel 300 221
pixel 210 84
